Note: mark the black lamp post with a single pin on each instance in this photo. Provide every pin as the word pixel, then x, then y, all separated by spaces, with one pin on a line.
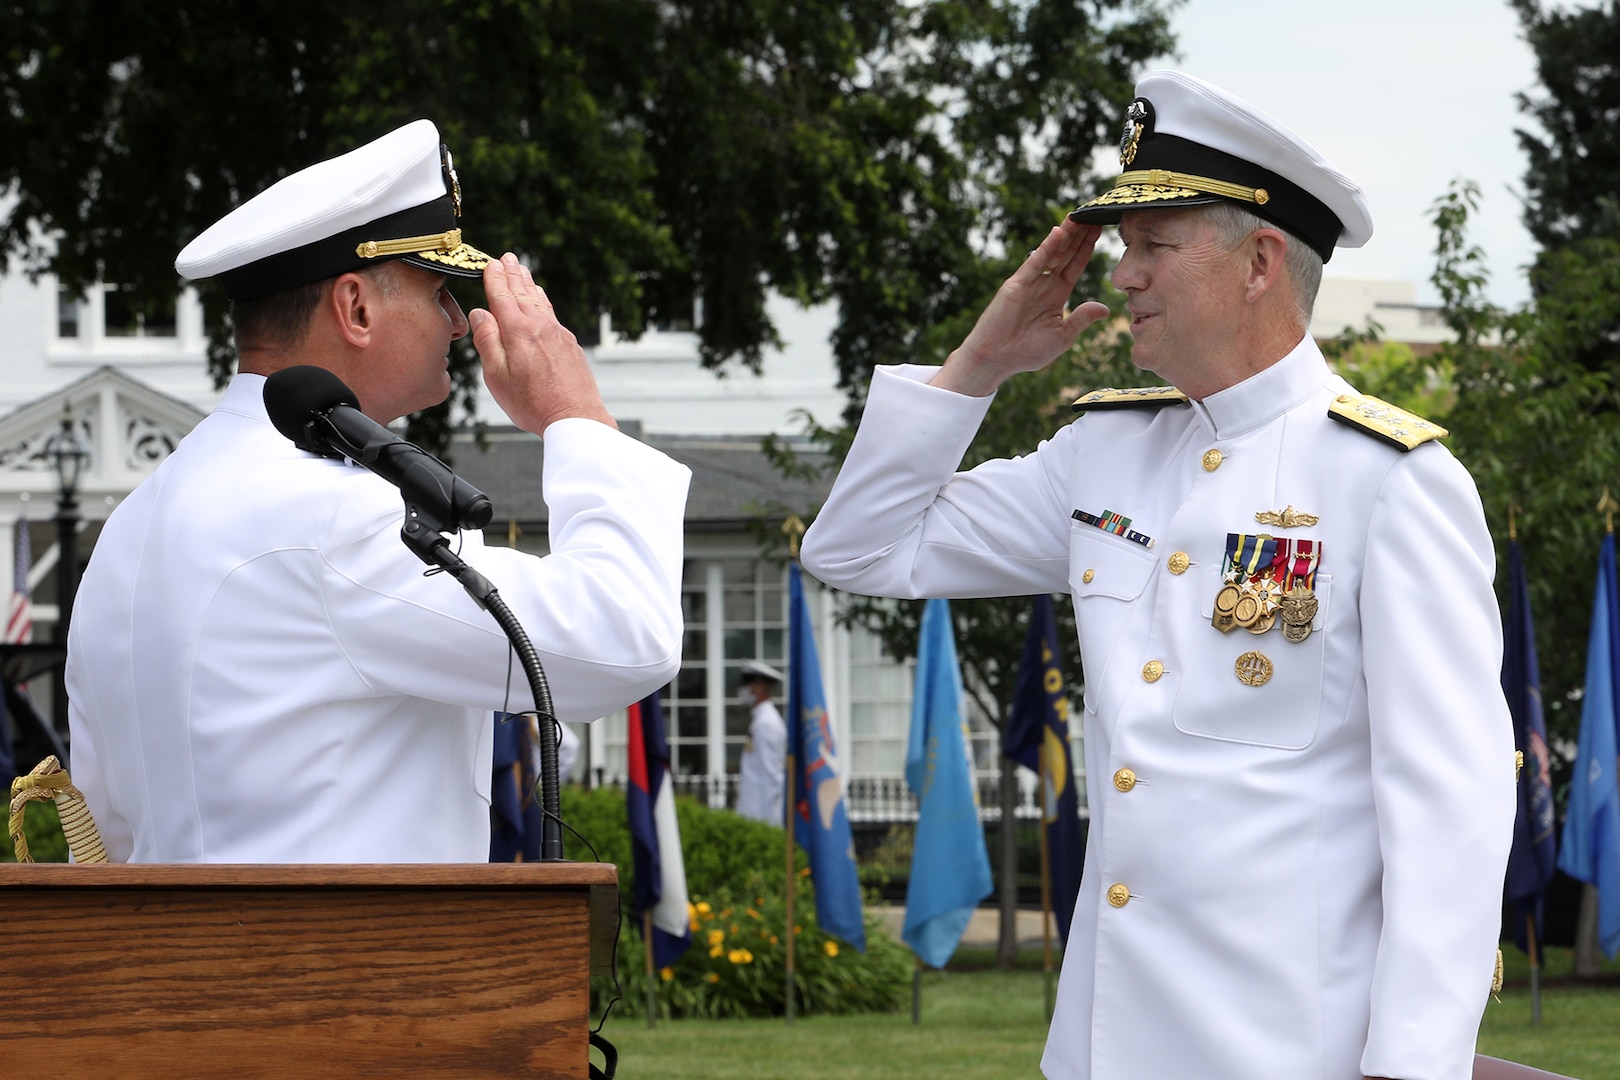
pixel 69 456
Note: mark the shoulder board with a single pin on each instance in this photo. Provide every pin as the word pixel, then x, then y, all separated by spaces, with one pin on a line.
pixel 1139 397
pixel 1401 429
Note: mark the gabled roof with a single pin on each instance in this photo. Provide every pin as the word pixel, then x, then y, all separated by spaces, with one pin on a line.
pixel 732 479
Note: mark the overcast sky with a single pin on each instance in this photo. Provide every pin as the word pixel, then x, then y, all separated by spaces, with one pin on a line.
pixel 1401 95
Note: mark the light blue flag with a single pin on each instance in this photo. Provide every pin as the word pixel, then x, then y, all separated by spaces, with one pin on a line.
pixel 950 869
pixel 1591 843
pixel 820 822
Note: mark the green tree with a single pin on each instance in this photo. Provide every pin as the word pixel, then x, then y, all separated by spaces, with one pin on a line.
pixel 642 153
pixel 1538 429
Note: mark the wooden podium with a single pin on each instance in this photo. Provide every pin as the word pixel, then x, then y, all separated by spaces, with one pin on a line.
pixel 276 971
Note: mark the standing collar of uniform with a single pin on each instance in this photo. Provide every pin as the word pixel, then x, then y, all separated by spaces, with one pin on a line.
pixel 1261 398
pixel 245 397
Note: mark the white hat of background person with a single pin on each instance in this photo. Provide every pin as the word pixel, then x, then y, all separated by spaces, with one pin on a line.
pixel 1187 143
pixel 753 669
pixel 395 198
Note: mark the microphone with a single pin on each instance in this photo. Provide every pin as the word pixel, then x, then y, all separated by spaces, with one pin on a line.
pixel 312 407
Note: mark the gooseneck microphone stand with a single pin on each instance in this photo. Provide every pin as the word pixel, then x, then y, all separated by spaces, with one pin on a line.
pixel 424 535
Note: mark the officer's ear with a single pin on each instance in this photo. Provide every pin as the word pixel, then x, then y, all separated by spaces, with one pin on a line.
pixel 352 304
pixel 1264 252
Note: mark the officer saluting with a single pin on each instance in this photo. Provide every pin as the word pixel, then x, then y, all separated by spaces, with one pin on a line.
pixel 259 670
pixel 1301 763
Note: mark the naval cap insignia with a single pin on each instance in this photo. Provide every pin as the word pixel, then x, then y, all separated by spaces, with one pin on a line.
pixel 1138 119
pixel 451 180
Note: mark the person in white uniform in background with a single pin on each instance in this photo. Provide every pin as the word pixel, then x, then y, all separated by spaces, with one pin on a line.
pixel 258 669
pixel 1301 762
pixel 764 759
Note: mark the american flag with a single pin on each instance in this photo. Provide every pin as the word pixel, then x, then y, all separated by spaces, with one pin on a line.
pixel 19 621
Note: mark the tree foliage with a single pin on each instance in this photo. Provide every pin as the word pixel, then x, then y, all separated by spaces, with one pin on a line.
pixel 640 153
pixel 1537 428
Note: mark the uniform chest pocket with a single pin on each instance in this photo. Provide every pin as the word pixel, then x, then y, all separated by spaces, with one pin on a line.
pixel 1259 689
pixel 1107 575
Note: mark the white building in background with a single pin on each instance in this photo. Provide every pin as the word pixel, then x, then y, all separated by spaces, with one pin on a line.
pixel 1349 303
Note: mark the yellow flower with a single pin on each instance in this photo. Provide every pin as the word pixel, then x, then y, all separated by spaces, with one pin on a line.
pixel 805 872
pixel 740 956
pixel 666 973
pixel 830 947
pixel 726 914
pixel 716 951
pixel 732 928
pixel 752 914
pixel 716 936
pixel 713 977
pixel 773 940
pixel 759 901
pixel 703 907
pixel 798 930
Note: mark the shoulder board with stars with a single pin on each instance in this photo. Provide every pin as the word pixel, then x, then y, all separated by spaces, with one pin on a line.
pixel 1395 426
pixel 1140 397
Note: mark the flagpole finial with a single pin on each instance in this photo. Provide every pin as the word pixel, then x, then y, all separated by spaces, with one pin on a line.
pixel 793 528
pixel 1607 506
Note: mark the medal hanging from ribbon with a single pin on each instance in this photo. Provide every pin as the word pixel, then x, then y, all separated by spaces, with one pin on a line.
pixel 1299 603
pixel 1248 555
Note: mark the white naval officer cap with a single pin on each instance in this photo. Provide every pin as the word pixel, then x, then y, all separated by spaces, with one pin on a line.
pixel 1188 143
pixel 394 198
pixel 753 669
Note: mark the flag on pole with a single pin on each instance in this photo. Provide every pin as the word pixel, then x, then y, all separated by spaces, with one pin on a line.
pixel 950 869
pixel 1532 860
pixel 1590 848
pixel 655 835
pixel 19 619
pixel 820 822
pixel 1040 718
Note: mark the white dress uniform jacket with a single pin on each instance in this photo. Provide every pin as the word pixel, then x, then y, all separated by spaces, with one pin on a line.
pixel 763 779
pixel 1294 880
pixel 260 671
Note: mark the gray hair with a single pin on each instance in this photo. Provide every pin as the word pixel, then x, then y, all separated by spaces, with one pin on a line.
pixel 281 320
pixel 1233 224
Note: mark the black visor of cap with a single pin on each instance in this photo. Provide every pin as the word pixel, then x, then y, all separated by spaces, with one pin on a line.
pixel 1288 205
pixel 335 255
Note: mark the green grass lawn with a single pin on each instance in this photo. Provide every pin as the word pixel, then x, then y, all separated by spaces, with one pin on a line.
pixel 982 1024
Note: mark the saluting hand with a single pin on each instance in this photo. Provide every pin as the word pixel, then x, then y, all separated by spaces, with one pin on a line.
pixel 532 363
pixel 1028 324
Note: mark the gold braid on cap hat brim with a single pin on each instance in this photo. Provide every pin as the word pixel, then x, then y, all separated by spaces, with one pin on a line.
pixel 447 241
pixel 1188 183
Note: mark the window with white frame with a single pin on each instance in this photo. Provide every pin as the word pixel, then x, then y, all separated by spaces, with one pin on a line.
pixel 879 707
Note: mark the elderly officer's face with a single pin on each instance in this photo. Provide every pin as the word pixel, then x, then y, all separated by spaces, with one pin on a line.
pixel 1185 292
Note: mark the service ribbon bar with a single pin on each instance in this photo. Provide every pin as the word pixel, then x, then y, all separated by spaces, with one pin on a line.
pixel 1118 524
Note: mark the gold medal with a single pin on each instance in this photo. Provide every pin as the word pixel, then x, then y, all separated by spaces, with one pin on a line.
pixel 1298 606
pixel 1263 623
pixel 1247 610
pixel 1253 669
pixel 1225 601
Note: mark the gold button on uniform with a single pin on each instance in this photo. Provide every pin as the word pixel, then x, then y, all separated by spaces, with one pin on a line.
pixel 1151 671
pixel 1124 779
pixel 1212 460
pixel 1179 562
pixel 1118 895
pixel 1087 576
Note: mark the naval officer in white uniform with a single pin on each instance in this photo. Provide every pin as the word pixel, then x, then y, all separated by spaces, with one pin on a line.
pixel 762 783
pixel 258 668
pixel 1302 779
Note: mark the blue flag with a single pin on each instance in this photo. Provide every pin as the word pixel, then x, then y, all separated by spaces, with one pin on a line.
pixel 950 869
pixel 655 834
pixel 820 822
pixel 1591 842
pixel 1040 720
pixel 514 812
pixel 1531 862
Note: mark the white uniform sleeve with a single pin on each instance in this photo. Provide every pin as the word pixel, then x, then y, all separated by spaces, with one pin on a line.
pixel 1442 764
pixel 602 609
pixel 901 522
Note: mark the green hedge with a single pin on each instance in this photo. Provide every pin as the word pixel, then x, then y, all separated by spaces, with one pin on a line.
pixel 43 830
pixel 737 965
